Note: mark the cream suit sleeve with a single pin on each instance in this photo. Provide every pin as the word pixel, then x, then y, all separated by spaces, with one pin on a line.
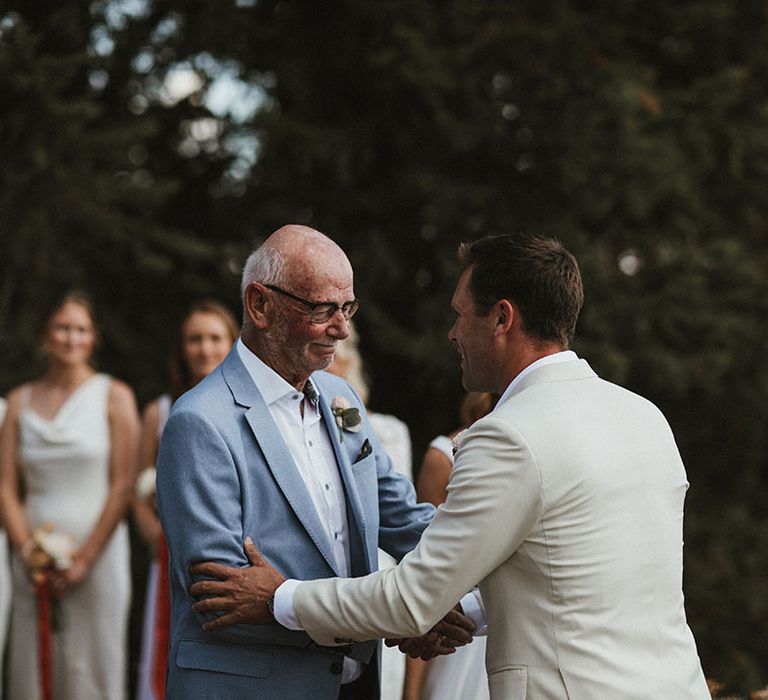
pixel 494 499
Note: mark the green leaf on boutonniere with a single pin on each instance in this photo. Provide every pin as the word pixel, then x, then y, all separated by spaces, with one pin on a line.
pixel 347 418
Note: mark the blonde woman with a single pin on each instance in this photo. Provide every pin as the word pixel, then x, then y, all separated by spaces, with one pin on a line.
pixel 204 338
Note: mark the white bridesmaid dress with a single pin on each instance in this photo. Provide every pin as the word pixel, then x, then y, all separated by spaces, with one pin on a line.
pixel 65 466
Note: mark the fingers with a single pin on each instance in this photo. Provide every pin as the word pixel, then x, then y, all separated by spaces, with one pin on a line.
pixel 227 619
pixel 209 588
pixel 456 628
pixel 209 568
pixel 253 554
pixel 212 604
pixel 452 634
pixel 456 617
pixel 422 647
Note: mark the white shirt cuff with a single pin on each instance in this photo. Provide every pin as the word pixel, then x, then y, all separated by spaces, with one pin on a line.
pixel 284 612
pixel 472 608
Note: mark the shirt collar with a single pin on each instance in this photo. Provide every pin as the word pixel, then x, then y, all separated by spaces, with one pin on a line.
pixel 563 356
pixel 271 385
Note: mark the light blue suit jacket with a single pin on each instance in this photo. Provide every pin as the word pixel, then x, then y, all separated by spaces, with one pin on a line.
pixel 224 472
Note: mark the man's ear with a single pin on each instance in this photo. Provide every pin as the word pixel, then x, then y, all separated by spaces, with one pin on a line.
pixel 506 315
pixel 255 302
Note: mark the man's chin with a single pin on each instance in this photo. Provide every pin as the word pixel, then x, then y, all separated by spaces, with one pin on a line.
pixel 322 363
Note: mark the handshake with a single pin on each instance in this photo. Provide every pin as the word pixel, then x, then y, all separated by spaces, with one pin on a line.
pixel 453 631
pixel 245 595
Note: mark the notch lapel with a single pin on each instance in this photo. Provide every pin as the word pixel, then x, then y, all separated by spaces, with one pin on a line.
pixel 276 453
pixel 355 512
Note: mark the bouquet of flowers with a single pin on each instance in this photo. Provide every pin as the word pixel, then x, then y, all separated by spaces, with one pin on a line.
pixel 146 482
pixel 46 552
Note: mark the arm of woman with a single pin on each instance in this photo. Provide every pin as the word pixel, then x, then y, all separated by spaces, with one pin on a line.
pixel 144 513
pixel 124 432
pixel 433 477
pixel 11 507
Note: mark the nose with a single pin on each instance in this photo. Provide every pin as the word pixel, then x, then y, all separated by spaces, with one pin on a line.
pixel 339 323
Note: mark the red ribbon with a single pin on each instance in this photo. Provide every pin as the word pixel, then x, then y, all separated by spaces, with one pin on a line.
pixel 162 621
pixel 44 635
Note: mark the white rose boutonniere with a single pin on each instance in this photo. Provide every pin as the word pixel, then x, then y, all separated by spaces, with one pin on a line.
pixel 456 441
pixel 347 418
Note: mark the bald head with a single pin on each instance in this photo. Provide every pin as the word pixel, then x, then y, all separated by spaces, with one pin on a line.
pixel 295 256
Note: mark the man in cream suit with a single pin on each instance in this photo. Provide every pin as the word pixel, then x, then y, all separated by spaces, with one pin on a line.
pixel 259 449
pixel 565 505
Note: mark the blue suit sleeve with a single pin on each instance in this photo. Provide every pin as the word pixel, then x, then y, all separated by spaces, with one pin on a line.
pixel 401 518
pixel 200 502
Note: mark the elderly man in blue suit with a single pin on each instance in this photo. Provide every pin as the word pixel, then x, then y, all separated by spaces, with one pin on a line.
pixel 270 447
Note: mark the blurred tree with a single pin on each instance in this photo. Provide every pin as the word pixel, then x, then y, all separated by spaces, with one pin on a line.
pixel 93 192
pixel 636 132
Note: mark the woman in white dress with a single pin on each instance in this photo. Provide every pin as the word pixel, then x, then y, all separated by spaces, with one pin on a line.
pixel 395 438
pixel 461 675
pixel 67 456
pixel 204 338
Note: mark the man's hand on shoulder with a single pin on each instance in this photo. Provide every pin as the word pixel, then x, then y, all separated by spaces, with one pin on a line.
pixel 241 595
pixel 453 631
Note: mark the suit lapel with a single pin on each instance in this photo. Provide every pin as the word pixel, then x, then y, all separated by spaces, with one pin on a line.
pixel 276 453
pixel 355 512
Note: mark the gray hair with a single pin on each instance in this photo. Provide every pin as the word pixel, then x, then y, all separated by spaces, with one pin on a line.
pixel 266 264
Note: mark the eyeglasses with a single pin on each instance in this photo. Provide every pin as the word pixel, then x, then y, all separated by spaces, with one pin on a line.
pixel 321 311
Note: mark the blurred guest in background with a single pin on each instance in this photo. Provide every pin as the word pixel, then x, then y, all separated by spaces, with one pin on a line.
pixel 392 433
pixel 204 338
pixel 462 675
pixel 5 580
pixel 69 446
pixel 395 438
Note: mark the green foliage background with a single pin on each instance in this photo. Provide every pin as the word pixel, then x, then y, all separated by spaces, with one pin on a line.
pixel 635 132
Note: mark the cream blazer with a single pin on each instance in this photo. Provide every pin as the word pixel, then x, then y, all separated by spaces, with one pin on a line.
pixel 565 505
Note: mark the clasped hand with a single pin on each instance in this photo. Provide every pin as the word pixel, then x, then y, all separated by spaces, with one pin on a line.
pixel 240 595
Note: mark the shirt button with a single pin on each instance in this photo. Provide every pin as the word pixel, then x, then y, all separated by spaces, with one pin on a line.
pixel 295 396
pixel 327 487
pixel 309 442
pixel 335 535
pixel 336 668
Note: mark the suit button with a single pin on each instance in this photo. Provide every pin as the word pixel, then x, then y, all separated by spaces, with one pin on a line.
pixel 336 668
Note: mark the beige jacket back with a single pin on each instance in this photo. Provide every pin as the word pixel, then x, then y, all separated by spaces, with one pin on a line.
pixel 565 505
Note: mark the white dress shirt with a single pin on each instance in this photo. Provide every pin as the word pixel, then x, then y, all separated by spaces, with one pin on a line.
pixel 310 446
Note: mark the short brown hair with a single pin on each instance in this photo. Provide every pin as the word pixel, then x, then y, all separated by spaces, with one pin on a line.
pixel 535 273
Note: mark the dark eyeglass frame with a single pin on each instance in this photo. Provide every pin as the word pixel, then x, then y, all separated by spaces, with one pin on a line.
pixel 321 311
